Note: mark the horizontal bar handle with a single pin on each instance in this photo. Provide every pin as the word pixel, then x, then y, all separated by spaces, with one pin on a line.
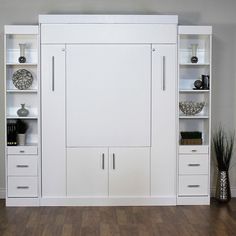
pixel 193 186
pixel 194 150
pixel 22 166
pixel 22 151
pixel 193 164
pixel 22 187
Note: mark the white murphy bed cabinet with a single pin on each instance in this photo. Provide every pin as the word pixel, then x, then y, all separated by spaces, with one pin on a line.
pixel 109 110
pixel 109 129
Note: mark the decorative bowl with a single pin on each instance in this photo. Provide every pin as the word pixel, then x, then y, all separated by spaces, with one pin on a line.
pixel 191 108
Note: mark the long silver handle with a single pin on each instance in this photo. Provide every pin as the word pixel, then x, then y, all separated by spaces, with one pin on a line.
pixel 22 187
pixel 193 164
pixel 22 166
pixel 53 73
pixel 193 186
pixel 113 161
pixel 163 73
pixel 103 161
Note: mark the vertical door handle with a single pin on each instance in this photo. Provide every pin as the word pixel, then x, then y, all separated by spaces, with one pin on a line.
pixel 53 73
pixel 113 161
pixel 163 73
pixel 103 161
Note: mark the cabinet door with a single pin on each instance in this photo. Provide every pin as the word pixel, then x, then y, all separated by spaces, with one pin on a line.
pixel 164 113
pixel 87 172
pixel 129 173
pixel 53 120
pixel 108 95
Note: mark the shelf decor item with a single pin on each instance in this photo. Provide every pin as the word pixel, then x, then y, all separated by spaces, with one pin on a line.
pixel 194 58
pixel 198 84
pixel 205 81
pixel 22 79
pixel 223 145
pixel 191 138
pixel 21 128
pixel 191 108
pixel 11 133
pixel 22 112
pixel 22 58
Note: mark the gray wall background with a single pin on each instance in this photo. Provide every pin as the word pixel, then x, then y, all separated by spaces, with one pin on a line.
pixel 218 13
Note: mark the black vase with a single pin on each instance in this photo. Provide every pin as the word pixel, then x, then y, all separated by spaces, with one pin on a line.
pixel 223 192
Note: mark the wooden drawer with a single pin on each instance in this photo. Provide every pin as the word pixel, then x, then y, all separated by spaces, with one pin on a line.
pixel 22 187
pixel 193 185
pixel 193 164
pixel 19 165
pixel 187 149
pixel 22 150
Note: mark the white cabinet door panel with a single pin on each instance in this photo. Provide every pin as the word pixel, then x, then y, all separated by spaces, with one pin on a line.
pixel 164 101
pixel 108 95
pixel 129 172
pixel 87 172
pixel 53 120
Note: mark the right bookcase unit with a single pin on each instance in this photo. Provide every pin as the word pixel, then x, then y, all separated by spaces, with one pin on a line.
pixel 195 50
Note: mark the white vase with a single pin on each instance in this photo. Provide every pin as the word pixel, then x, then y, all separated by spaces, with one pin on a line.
pixel 21 139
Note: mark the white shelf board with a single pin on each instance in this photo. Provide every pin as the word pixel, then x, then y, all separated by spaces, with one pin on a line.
pixel 194 64
pixel 193 117
pixel 193 91
pixel 23 118
pixel 22 91
pixel 22 64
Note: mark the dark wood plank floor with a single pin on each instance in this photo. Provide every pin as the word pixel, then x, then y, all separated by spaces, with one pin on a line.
pixel 216 219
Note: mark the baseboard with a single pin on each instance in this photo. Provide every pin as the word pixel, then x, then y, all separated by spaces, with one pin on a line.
pixel 2 193
pixel 233 192
pixel 110 201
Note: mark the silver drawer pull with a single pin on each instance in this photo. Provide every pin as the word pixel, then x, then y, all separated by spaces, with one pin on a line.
pixel 193 164
pixel 194 150
pixel 22 151
pixel 193 186
pixel 22 166
pixel 22 187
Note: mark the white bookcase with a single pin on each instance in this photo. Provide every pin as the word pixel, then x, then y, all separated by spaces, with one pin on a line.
pixel 22 161
pixel 194 160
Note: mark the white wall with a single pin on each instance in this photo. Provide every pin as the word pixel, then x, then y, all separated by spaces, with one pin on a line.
pixel 220 14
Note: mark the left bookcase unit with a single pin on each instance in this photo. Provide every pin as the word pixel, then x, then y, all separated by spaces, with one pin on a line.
pixel 22 115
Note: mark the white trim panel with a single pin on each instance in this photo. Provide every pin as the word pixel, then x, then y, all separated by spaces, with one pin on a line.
pixel 108 33
pixel 88 201
pixel 184 29
pixel 22 202
pixel 21 29
pixel 105 19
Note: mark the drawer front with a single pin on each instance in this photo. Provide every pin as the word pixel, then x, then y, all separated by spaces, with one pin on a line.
pixel 193 164
pixel 22 165
pixel 187 149
pixel 193 185
pixel 22 187
pixel 22 150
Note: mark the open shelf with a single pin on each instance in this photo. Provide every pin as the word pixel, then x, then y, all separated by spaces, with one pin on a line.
pixel 193 117
pixel 22 118
pixel 22 91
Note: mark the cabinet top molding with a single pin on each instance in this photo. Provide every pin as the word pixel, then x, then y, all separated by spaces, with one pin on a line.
pixel 108 19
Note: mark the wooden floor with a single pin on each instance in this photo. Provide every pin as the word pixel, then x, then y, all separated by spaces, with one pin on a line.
pixel 216 219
